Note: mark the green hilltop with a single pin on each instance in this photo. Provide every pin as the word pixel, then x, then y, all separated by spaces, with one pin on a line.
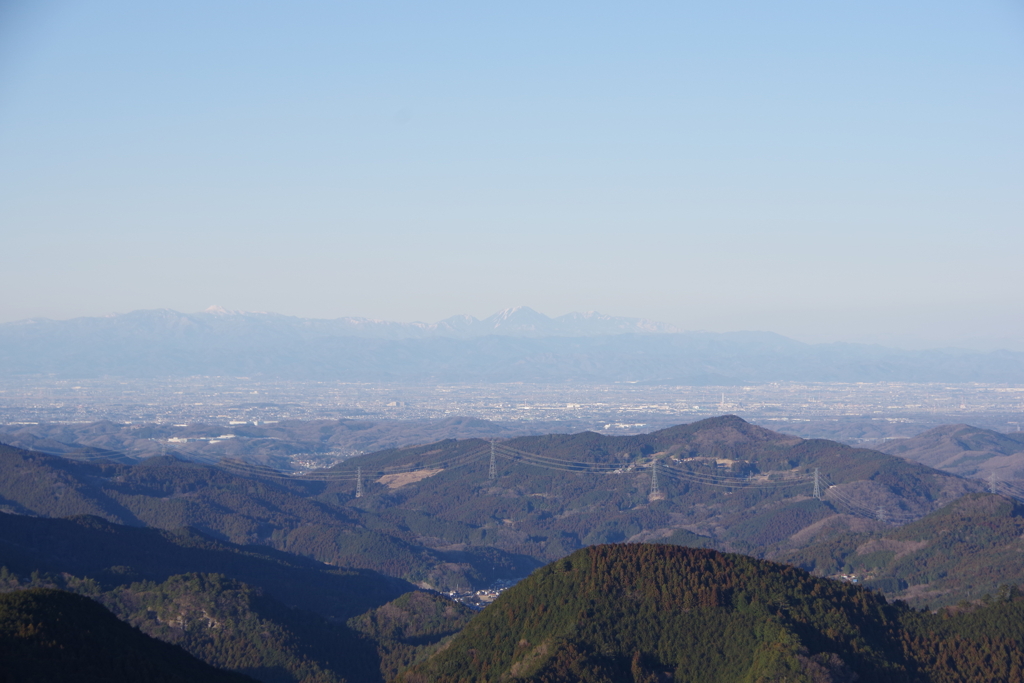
pixel 644 612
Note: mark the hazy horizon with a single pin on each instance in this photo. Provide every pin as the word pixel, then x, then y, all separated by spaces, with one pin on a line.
pixel 978 343
pixel 828 173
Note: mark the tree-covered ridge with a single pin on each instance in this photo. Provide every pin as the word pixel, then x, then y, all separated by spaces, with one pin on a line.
pixel 115 555
pixel 969 643
pixel 50 636
pixel 640 612
pixel 700 615
pixel 545 513
pixel 296 516
pixel 277 617
pixel 460 527
pixel 963 449
pixel 411 627
pixel 964 550
pixel 236 627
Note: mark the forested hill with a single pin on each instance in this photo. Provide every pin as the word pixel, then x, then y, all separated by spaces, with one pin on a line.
pixel 434 515
pixel 965 550
pixel 114 555
pixel 277 617
pixel 965 450
pixel 721 481
pixel 49 636
pixel 652 612
pixel 304 517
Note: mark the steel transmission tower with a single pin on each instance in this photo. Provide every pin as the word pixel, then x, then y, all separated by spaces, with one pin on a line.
pixel 880 513
pixel 493 473
pixel 992 488
pixel 654 479
pixel 359 482
pixel 817 484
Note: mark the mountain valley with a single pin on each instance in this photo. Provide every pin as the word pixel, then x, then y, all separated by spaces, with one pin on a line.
pixel 350 558
pixel 434 516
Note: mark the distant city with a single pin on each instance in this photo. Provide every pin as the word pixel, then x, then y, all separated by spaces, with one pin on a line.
pixel 849 412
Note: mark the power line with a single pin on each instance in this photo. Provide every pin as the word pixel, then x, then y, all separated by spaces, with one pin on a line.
pixel 543 460
pixel 734 482
pixel 879 513
pixel 731 485
pixel 347 475
pixel 558 464
pixel 1010 489
pixel 603 468
pixel 833 493
pixel 786 478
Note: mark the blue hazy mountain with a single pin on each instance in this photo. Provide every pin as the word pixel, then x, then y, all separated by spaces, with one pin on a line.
pixel 517 344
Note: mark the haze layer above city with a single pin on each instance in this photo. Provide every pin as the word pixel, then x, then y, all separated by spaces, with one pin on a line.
pixel 521 371
pixel 836 173
pixel 750 196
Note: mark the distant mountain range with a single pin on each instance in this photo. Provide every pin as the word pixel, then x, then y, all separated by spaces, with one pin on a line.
pixel 516 345
pixel 520 321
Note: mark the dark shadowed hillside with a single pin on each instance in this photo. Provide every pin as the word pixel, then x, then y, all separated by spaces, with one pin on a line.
pixel 276 617
pixel 113 555
pixel 291 515
pixel 49 636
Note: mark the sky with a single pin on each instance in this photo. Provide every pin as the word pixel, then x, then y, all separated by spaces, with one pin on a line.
pixel 830 171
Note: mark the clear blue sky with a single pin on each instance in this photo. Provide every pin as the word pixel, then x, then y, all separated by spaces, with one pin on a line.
pixel 826 170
